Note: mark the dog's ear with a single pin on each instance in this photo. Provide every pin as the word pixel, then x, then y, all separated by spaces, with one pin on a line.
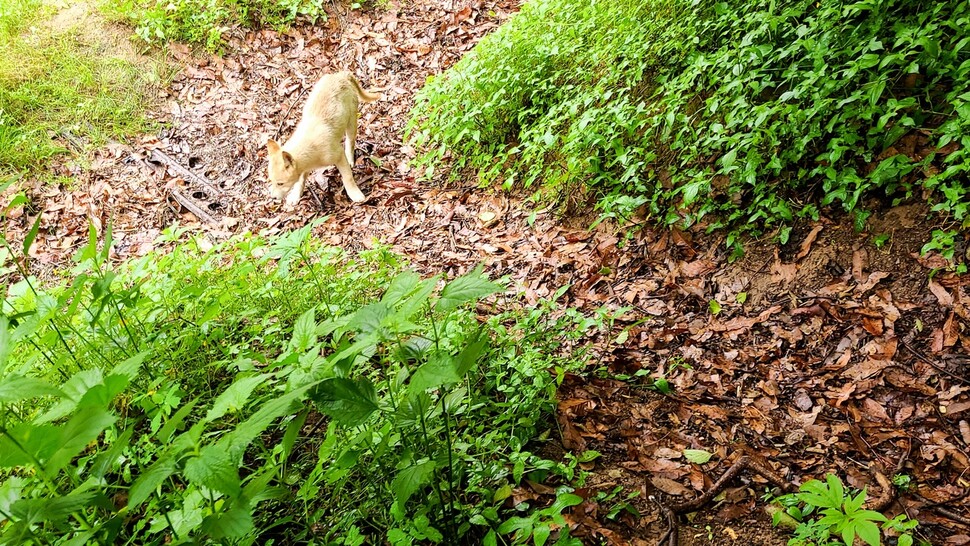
pixel 287 159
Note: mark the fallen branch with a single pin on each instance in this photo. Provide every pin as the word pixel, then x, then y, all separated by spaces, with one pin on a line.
pixel 195 209
pixel 744 462
pixel 186 173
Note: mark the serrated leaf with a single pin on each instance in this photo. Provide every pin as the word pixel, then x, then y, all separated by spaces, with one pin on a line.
pixel 347 401
pixel 410 479
pixel 304 332
pixel 697 456
pixel 402 285
pixel 56 509
pixel 23 444
pixel 471 353
pixel 76 434
pixel 234 523
pixel 234 398
pixel 440 369
pixel 149 480
pixel 216 469
pixel 14 388
pixel 236 441
pixel 467 288
pixel 106 460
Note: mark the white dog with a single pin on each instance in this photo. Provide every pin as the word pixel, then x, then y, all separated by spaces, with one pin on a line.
pixel 330 114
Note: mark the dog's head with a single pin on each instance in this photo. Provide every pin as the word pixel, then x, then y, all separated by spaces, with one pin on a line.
pixel 282 171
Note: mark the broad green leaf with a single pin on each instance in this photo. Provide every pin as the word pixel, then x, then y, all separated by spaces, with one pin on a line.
pixel 236 441
pixel 14 388
pixel 74 390
pixel 54 509
pixel 304 332
pixel 697 456
pixel 76 434
pixel 402 285
pixel 234 523
pixel 130 368
pixel 31 235
pixel 216 469
pixel 540 534
pixel 471 353
pixel 149 480
pixel 26 444
pixel 467 288
pixel 440 369
pixel 347 401
pixel 173 422
pixel 6 342
pixel 234 398
pixel 410 479
pixel 106 460
pixel 369 318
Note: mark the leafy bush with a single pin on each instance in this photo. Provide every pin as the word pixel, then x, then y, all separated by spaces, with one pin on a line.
pixel 745 114
pixel 61 85
pixel 205 22
pixel 271 391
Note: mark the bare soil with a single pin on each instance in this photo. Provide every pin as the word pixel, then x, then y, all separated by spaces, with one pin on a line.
pixel 828 354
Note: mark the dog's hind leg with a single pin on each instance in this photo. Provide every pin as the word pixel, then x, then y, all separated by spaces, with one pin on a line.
pixel 349 144
pixel 347 176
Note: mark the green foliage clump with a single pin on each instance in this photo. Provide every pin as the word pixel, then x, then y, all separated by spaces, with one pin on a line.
pixel 745 114
pixel 60 85
pixel 205 22
pixel 826 514
pixel 272 391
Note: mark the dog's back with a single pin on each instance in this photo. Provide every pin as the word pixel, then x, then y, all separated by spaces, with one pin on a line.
pixel 330 115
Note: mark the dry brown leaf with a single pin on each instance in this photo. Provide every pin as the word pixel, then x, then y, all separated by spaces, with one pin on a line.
pixel 806 245
pixel 669 486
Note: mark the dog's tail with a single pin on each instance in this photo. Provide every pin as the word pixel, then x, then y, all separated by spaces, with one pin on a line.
pixel 364 96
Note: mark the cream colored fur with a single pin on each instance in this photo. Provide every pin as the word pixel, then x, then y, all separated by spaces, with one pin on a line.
pixel 330 114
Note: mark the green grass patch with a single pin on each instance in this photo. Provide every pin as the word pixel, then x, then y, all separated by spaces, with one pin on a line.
pixel 274 390
pixel 205 22
pixel 63 88
pixel 743 115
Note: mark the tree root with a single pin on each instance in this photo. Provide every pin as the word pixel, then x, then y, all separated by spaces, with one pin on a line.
pixel 744 462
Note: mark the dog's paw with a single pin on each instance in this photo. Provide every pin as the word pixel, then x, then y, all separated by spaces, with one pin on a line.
pixel 356 196
pixel 292 200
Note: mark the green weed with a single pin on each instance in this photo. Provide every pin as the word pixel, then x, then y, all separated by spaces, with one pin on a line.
pixel 205 22
pixel 272 391
pixel 742 115
pixel 826 514
pixel 63 89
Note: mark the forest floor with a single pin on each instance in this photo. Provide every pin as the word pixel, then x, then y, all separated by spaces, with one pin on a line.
pixel 827 354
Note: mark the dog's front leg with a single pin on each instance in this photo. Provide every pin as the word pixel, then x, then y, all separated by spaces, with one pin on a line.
pixel 296 192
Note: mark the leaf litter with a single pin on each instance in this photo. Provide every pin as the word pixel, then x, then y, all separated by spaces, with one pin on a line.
pixel 823 355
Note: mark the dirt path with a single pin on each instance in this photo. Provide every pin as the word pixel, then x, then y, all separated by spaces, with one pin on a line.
pixel 830 355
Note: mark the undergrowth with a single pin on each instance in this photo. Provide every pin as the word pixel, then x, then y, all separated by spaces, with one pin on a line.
pixel 741 115
pixel 62 90
pixel 205 22
pixel 274 391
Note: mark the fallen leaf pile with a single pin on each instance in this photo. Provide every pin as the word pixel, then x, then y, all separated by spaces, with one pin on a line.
pixel 825 355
